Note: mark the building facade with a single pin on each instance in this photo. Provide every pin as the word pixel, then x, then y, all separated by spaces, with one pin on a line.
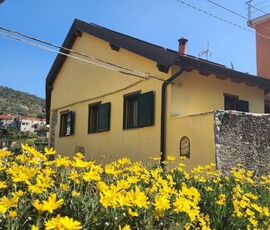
pixel 125 97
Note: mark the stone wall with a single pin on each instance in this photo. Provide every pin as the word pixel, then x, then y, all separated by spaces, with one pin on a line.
pixel 242 138
pixel 53 123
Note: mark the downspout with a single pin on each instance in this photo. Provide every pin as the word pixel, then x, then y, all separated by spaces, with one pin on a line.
pixel 164 111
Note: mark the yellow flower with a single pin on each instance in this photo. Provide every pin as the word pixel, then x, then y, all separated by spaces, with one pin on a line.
pixel 171 158
pixel 3 184
pixel 62 161
pixel 209 189
pixel 62 223
pixel 221 199
pixel 92 174
pixel 50 151
pixel 34 227
pixel 155 158
pixel 52 203
pixel 132 213
pixel 39 206
pixel 49 205
pixel 202 179
pixel 6 203
pixel 79 163
pixel 12 214
pixel 161 203
pixel 138 198
pixel 64 187
pixel 124 161
pixel 75 194
pixel 126 227
pixel 19 193
pixel 20 173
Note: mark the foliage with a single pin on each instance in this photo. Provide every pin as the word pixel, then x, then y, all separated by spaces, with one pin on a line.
pixel 64 193
pixel 16 102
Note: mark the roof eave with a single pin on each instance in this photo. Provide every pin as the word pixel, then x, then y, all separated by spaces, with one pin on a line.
pixel 220 71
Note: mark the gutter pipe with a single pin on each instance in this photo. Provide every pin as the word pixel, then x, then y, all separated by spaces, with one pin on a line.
pixel 164 111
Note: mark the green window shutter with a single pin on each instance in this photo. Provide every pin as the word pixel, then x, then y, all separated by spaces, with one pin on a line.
pixel 242 106
pixel 72 122
pixel 104 113
pixel 146 109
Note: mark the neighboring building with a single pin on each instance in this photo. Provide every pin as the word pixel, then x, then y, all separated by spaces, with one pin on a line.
pixel 262 28
pixel 5 121
pixel 21 123
pixel 30 124
pixel 139 100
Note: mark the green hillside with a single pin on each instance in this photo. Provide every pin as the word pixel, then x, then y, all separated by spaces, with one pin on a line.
pixel 17 102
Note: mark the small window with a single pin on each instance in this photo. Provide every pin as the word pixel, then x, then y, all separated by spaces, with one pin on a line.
pixel 99 117
pixel 138 110
pixel 185 147
pixel 67 121
pixel 233 103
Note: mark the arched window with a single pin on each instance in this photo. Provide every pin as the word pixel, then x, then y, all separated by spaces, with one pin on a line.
pixel 185 147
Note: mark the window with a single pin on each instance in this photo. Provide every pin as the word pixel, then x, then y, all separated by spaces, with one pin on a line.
pixel 233 103
pixel 138 110
pixel 67 121
pixel 185 147
pixel 99 117
pixel 266 107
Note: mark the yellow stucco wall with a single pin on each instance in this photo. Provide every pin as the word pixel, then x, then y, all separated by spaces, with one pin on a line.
pixel 79 84
pixel 199 128
pixel 195 93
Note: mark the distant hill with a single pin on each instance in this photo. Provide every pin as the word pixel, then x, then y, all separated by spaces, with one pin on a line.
pixel 17 102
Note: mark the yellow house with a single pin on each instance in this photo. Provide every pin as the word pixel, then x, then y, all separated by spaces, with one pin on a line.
pixel 110 95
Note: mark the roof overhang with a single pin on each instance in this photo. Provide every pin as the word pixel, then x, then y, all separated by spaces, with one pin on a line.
pixel 207 68
pixel 252 23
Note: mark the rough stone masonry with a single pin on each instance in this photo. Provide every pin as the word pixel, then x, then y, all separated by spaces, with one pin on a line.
pixel 242 138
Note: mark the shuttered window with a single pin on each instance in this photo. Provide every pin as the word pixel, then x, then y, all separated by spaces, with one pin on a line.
pixel 67 123
pixel 104 117
pixel 99 117
pixel 233 103
pixel 138 110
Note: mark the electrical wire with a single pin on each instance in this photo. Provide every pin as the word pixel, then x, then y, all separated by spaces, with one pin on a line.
pixel 235 13
pixel 231 11
pixel 64 48
pixel 102 63
pixel 222 19
pixel 144 75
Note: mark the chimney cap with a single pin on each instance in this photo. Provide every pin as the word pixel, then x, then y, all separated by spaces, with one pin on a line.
pixel 182 40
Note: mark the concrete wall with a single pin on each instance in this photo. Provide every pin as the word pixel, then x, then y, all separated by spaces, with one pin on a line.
pixel 242 138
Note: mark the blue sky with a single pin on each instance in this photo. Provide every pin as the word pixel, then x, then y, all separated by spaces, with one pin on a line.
pixel 25 68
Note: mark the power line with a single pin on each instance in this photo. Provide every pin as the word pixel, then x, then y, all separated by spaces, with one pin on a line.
pixel 241 16
pixel 103 64
pixel 214 16
pixel 235 13
pixel 68 55
pixel 224 20
pixel 69 50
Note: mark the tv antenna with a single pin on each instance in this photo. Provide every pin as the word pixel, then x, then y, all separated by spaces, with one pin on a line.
pixel 205 52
